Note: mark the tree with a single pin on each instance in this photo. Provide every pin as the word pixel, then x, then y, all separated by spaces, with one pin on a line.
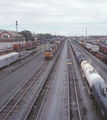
pixel 44 36
pixel 27 34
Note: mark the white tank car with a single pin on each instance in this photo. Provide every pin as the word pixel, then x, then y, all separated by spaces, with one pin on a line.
pixel 88 45
pixel 95 48
pixel 90 73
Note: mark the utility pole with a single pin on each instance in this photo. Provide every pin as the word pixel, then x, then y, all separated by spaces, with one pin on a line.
pixel 16 26
pixel 86 31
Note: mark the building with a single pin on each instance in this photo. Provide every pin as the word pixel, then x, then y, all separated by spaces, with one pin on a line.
pixel 9 38
pixel 9 34
pixel 98 36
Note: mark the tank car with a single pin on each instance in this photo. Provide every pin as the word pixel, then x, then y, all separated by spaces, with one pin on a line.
pixel 79 55
pixel 96 83
pixel 88 45
pixel 91 74
pixel 97 86
pixel 99 90
pixel 95 48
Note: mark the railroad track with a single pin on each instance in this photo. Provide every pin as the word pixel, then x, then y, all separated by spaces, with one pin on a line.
pixel 73 102
pixel 98 111
pixel 102 65
pixel 10 107
pixel 36 107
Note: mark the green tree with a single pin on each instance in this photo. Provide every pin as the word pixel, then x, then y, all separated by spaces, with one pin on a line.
pixel 27 34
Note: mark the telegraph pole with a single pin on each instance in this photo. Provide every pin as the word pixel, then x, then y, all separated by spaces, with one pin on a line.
pixel 16 26
pixel 86 31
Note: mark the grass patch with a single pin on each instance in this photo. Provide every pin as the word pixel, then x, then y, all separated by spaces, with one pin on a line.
pixel 84 110
pixel 24 101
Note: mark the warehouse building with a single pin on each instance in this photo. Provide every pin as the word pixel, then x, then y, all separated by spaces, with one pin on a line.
pixel 9 38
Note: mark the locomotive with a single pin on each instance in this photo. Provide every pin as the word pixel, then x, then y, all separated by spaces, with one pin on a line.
pixel 96 84
pixel 49 53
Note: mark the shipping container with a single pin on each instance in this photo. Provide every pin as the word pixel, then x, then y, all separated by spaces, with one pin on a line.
pixel 36 42
pixel 27 44
pixel 17 47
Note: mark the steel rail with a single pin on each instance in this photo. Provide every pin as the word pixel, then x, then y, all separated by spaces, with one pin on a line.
pixel 97 109
pixel 92 56
pixel 73 76
pixel 49 72
pixel 69 117
pixel 46 93
pixel 1 111
pixel 31 107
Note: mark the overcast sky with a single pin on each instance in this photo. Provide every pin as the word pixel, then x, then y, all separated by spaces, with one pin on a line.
pixel 63 17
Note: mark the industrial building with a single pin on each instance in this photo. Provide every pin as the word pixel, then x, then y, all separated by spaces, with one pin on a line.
pixel 8 38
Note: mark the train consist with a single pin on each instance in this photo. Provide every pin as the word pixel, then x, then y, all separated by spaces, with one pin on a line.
pixel 98 50
pixel 96 83
pixel 19 47
pixel 7 59
pixel 19 51
pixel 25 46
pixel 9 55
pixel 49 53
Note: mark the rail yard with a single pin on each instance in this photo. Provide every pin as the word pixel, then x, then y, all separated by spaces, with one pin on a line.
pixel 61 80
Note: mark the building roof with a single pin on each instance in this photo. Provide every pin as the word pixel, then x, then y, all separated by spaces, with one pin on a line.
pixel 13 33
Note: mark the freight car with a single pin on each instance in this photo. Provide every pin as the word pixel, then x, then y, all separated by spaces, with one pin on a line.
pixel 6 51
pixel 95 48
pixel 9 55
pixel 25 46
pixel 30 46
pixel 7 59
pixel 96 83
pixel 98 50
pixel 88 46
pixel 51 41
pixel 17 47
pixel 57 42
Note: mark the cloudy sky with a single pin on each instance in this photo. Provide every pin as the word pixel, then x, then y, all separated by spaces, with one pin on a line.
pixel 63 17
